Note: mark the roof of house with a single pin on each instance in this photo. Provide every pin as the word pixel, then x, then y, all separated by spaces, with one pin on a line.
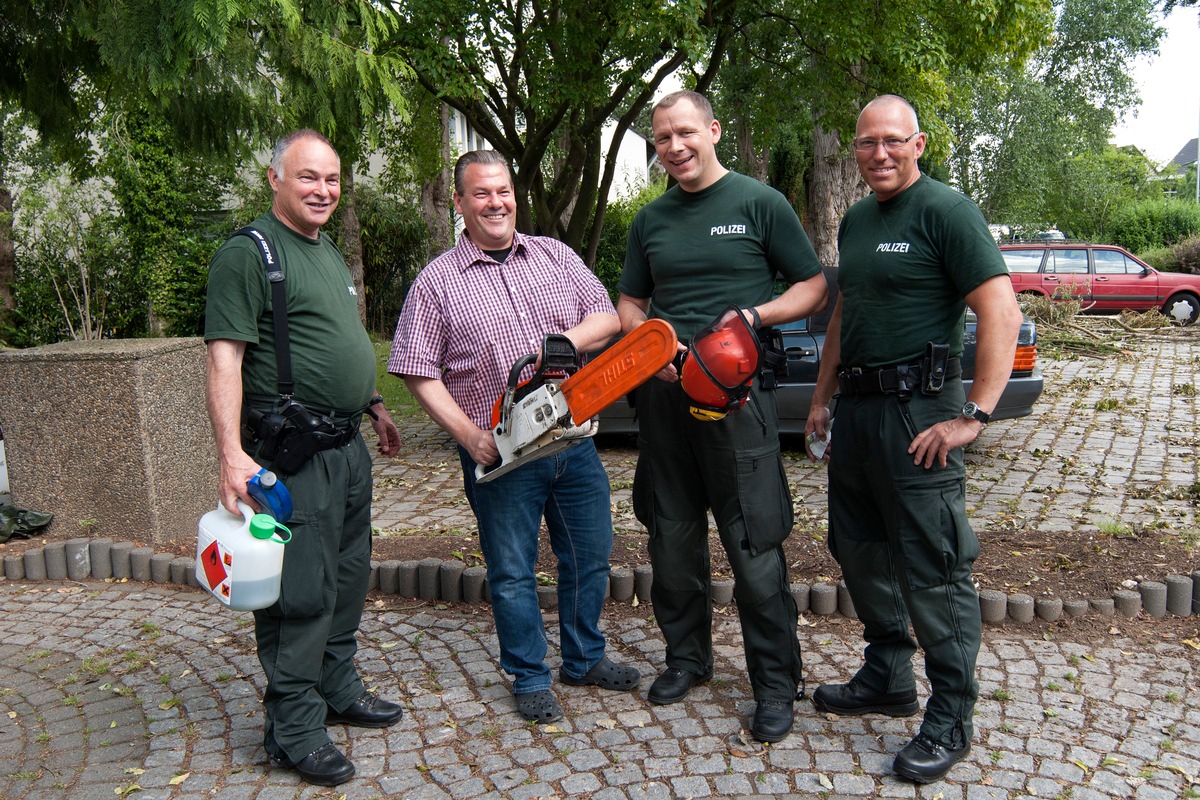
pixel 1186 155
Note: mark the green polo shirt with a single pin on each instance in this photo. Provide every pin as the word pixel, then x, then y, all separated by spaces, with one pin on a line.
pixel 333 361
pixel 905 266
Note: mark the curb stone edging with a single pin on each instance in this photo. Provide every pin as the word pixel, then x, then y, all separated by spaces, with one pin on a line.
pixel 1176 596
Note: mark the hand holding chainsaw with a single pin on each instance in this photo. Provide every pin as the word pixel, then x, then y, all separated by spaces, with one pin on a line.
pixel 556 408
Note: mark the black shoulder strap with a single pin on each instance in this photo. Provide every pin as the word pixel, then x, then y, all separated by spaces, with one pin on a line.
pixel 283 348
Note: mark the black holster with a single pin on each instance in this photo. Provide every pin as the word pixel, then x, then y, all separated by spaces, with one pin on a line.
pixel 774 358
pixel 935 368
pixel 291 435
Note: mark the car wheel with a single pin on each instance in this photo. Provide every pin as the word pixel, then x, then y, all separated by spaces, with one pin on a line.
pixel 1183 308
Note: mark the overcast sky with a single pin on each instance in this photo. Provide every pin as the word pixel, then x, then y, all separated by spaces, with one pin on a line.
pixel 1169 115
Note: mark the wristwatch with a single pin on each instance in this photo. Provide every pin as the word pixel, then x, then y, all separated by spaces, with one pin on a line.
pixel 972 411
pixel 376 400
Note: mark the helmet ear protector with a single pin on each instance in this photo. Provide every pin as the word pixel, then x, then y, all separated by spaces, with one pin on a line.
pixel 720 366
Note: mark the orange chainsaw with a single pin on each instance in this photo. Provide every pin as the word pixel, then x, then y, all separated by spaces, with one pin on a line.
pixel 556 408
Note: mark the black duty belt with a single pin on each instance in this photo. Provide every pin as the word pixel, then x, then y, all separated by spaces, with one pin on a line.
pixel 887 380
pixel 342 420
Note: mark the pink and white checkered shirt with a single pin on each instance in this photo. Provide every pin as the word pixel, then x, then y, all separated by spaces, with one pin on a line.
pixel 467 318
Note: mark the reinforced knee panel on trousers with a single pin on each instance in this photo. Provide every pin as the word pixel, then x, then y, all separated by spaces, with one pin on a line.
pixel 906 546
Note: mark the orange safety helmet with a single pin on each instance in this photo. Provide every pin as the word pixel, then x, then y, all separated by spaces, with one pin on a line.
pixel 720 366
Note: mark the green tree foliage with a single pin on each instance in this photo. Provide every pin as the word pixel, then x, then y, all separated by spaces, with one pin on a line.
pixel 220 75
pixel 1181 257
pixel 418 161
pixel 1092 186
pixel 1186 188
pixel 610 254
pixel 836 54
pixel 1149 224
pixel 540 81
pixel 412 148
pixel 67 65
pixel 69 278
pixel 1018 127
pixel 159 193
pixel 53 70
pixel 753 92
pixel 791 159
pixel 828 57
pixel 395 246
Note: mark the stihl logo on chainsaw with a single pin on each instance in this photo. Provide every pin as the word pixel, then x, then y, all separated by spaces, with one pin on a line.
pixel 556 408
pixel 618 370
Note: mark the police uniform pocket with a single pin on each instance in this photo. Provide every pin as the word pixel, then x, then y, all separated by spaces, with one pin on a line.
pixel 764 498
pixel 936 539
pixel 302 587
pixel 643 492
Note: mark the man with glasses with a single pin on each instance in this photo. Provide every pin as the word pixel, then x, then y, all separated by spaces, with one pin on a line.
pixel 912 258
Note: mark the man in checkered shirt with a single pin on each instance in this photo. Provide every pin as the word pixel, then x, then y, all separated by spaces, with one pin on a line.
pixel 470 314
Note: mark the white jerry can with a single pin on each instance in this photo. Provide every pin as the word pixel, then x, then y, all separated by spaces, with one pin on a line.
pixel 239 557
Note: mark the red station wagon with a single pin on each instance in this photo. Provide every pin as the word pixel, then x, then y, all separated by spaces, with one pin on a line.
pixel 1103 278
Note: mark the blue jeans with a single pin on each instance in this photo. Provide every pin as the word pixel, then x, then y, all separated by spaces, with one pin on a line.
pixel 569 488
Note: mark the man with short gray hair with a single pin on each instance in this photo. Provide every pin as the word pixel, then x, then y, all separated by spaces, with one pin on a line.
pixel 306 640
pixel 913 257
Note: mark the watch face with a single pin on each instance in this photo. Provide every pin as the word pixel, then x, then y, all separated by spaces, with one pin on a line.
pixel 971 411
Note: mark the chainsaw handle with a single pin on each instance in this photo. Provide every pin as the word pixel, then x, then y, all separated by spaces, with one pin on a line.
pixel 559 359
pixel 559 355
pixel 514 374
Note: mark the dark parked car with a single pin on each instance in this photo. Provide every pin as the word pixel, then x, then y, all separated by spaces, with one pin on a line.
pixel 1103 278
pixel 804 341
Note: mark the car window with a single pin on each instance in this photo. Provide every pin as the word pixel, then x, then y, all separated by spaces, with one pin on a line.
pixel 1067 262
pixel 1111 262
pixel 1023 261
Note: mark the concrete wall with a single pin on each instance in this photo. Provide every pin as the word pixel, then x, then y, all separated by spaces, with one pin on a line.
pixel 113 431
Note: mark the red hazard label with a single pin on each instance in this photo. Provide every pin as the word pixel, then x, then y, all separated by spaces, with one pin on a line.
pixel 214 570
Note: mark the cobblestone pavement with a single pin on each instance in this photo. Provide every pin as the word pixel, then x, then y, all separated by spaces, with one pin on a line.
pixel 1112 441
pixel 153 692
pixel 143 691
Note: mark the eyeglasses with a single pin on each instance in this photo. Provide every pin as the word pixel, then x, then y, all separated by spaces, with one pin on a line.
pixel 869 145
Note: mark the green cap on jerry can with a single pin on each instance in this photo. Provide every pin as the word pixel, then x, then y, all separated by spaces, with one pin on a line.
pixel 262 526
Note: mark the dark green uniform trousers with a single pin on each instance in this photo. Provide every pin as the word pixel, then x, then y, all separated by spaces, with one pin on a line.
pixel 733 467
pixel 900 533
pixel 306 641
